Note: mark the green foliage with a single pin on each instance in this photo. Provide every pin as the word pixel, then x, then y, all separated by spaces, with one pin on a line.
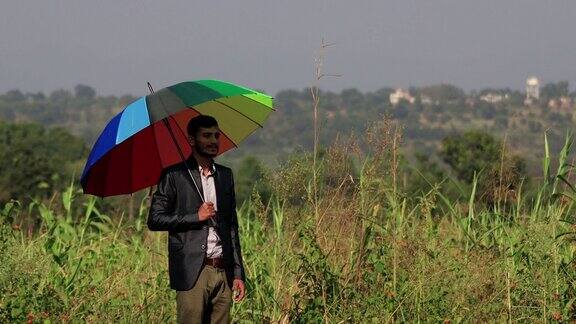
pixel 319 287
pixel 14 96
pixel 84 91
pixel 423 176
pixel 82 112
pixel 555 90
pixel 469 153
pixel 475 154
pixel 80 268
pixel 35 161
pixel 372 255
pixel 249 177
pixel 290 181
pixel 442 92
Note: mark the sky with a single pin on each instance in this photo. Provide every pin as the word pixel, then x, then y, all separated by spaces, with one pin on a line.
pixel 116 46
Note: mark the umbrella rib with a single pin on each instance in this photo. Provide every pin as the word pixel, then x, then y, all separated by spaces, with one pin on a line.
pixel 180 129
pixel 231 141
pixel 228 137
pixel 236 110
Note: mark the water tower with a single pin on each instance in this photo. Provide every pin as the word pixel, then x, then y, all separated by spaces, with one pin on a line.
pixel 532 88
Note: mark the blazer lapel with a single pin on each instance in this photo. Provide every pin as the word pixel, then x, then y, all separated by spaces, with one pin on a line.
pixel 219 186
pixel 193 165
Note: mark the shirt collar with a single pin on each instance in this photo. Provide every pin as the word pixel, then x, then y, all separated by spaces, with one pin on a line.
pixel 213 170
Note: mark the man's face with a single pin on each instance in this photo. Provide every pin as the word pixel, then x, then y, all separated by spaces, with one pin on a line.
pixel 206 142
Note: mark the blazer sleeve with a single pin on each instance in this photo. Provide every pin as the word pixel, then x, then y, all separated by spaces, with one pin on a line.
pixel 236 250
pixel 163 215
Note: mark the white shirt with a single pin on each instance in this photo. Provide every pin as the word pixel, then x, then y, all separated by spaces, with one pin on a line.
pixel 213 246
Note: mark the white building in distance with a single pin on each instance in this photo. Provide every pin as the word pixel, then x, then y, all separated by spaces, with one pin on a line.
pixel 400 94
pixel 494 98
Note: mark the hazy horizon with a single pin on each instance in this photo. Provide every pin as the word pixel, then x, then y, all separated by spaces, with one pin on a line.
pixel 117 47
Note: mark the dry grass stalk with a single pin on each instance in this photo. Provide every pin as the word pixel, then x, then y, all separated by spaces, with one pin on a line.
pixel 314 91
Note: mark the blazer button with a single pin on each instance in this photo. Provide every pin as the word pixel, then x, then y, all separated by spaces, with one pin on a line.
pixel 203 247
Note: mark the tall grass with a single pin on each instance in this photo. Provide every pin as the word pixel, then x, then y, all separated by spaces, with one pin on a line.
pixel 372 253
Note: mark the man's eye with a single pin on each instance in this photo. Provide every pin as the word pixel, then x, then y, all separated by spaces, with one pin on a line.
pixel 217 135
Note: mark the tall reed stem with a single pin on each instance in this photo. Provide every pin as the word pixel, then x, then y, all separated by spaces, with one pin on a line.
pixel 315 92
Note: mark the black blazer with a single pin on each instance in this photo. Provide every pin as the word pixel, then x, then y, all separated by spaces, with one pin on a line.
pixel 174 209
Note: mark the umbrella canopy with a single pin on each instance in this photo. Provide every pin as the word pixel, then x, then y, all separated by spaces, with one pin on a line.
pixel 147 135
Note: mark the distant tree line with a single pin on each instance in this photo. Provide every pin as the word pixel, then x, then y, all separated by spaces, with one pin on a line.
pixel 428 126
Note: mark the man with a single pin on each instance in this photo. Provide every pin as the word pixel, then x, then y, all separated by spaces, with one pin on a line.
pixel 204 256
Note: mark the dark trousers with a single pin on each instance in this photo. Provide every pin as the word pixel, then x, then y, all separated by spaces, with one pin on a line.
pixel 209 301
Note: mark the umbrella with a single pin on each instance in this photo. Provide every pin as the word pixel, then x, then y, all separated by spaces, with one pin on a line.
pixel 149 134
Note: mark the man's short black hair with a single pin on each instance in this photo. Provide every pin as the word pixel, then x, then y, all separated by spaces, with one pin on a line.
pixel 203 121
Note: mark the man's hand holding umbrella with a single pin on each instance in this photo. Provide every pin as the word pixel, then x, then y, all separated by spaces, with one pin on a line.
pixel 206 211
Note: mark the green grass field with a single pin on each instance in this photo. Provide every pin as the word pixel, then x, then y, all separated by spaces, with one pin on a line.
pixel 355 250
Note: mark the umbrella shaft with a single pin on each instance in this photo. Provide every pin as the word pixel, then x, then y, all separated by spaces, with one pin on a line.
pixel 167 124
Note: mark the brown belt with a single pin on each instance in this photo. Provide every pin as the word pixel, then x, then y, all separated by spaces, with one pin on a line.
pixel 215 262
